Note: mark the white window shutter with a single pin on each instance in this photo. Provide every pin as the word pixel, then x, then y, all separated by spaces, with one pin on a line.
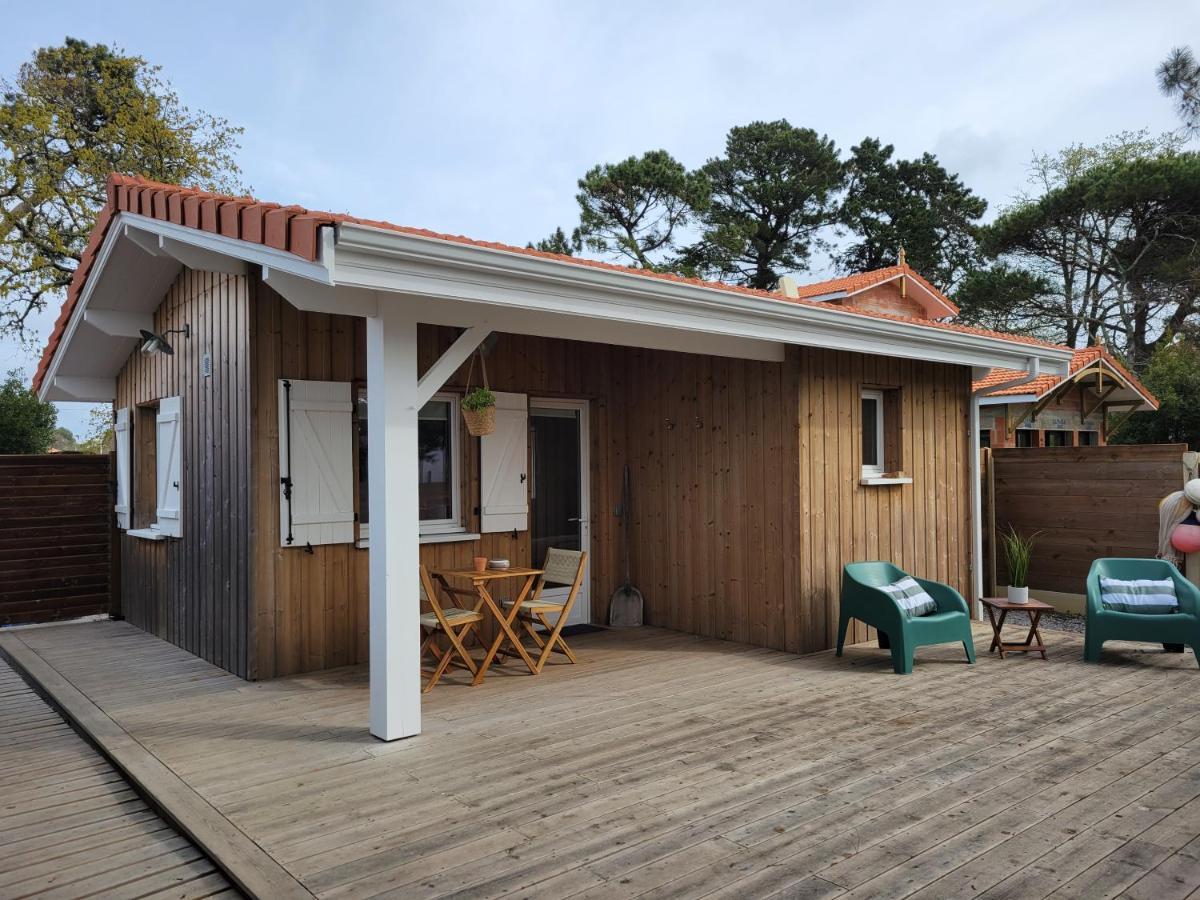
pixel 503 467
pixel 316 463
pixel 169 447
pixel 123 468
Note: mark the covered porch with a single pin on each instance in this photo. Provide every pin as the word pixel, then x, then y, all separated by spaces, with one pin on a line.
pixel 672 765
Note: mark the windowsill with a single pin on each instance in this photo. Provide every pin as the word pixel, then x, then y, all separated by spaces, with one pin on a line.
pixel 879 480
pixel 449 537
pixel 147 534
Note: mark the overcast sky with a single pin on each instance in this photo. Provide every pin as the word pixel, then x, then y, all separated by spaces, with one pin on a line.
pixel 477 118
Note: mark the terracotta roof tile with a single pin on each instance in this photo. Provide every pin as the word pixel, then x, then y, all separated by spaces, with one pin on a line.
pixel 294 229
pixel 1038 387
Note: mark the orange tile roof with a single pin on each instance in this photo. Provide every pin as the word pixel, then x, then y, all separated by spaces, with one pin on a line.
pixel 294 229
pixel 861 280
pixel 1043 384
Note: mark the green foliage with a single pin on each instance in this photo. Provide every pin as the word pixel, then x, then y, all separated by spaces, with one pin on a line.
pixel 1115 229
pixel 1003 298
pixel 26 423
pixel 74 114
pixel 911 203
pixel 1018 552
pixel 478 398
pixel 634 209
pixel 772 191
pixel 101 436
pixel 558 242
pixel 1173 376
pixel 63 440
pixel 1179 77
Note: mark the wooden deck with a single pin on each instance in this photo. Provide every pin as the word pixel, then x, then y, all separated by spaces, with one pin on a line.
pixel 70 826
pixel 672 766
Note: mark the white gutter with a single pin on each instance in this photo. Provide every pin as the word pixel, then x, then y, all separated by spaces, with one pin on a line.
pixel 381 259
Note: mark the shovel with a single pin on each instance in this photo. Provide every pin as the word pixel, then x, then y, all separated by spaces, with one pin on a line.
pixel 625 607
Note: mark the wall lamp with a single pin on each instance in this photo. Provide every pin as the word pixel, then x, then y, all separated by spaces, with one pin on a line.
pixel 157 343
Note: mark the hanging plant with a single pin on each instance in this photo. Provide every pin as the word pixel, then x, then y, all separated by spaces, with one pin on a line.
pixel 479 405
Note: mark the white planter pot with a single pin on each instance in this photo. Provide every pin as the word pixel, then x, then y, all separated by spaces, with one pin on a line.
pixel 1018 594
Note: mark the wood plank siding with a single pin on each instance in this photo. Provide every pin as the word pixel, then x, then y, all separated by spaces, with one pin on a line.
pixel 745 477
pixel 195 591
pixel 746 488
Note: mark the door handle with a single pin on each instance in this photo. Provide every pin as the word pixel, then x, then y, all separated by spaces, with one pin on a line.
pixel 576 519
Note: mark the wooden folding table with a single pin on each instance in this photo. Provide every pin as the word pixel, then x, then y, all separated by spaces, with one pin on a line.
pixel 1034 608
pixel 479 581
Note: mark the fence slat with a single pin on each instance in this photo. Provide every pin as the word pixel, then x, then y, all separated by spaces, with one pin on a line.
pixel 56 544
pixel 1088 502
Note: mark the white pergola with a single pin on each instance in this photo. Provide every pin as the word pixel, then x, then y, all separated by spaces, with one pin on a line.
pixel 397 280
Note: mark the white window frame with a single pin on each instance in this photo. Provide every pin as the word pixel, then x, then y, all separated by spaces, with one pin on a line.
pixel 875 471
pixel 454 524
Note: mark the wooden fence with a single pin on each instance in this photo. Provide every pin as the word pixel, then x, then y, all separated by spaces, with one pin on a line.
pixel 1088 502
pixel 56 537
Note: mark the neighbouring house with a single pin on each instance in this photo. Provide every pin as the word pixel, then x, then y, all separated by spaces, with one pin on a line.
pixel 1023 409
pixel 282 472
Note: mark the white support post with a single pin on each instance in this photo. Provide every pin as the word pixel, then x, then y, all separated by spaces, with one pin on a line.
pixel 976 515
pixel 395 704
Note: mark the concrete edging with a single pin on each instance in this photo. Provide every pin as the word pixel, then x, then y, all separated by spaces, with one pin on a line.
pixel 243 861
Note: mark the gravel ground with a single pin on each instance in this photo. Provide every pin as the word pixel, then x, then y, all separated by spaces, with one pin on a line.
pixel 1055 621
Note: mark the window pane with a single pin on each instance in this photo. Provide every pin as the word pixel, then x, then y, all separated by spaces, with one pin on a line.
pixel 870 432
pixel 1026 437
pixel 1058 439
pixel 436 461
pixel 985 437
pixel 1089 439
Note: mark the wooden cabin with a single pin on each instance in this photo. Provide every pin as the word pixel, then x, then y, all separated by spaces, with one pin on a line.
pixel 1081 409
pixel 284 468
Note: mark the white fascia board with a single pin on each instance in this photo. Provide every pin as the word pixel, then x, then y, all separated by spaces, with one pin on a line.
pixel 146 233
pixel 381 259
pixel 115 233
pixel 1005 399
pixel 231 248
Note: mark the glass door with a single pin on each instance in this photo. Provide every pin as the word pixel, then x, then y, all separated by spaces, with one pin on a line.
pixel 559 490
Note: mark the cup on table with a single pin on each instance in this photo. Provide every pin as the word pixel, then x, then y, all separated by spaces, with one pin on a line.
pixel 480 563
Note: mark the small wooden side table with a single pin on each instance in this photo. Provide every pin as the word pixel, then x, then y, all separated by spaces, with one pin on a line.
pixel 1035 608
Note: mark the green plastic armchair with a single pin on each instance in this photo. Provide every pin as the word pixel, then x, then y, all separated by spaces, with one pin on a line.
pixel 1172 630
pixel 862 599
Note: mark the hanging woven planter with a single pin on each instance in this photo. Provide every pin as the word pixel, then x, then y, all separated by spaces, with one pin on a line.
pixel 479 404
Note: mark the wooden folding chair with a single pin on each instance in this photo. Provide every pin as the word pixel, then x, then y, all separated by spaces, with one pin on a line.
pixel 562 567
pixel 457 624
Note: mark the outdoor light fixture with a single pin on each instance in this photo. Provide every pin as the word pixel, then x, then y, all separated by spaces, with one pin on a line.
pixel 157 343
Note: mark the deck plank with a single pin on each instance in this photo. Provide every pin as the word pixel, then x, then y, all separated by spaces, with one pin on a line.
pixel 80 829
pixel 667 765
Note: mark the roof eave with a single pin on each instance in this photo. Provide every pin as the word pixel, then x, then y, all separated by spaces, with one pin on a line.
pixel 368 257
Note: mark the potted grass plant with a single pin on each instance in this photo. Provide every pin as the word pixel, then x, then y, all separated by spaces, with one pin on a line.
pixel 1018 551
pixel 479 411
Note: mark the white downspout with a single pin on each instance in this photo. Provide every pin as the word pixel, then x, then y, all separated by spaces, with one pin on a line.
pixel 1034 370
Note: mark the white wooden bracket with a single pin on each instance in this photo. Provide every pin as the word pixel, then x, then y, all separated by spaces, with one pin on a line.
pixel 313 296
pixel 456 354
pixel 116 323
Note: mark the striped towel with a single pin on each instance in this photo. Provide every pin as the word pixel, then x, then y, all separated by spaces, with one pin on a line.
pixel 911 597
pixel 1143 595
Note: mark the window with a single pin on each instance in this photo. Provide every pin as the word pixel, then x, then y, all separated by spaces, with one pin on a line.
pixel 1027 437
pixel 1088 438
pixel 985 437
pixel 145 465
pixel 872 434
pixel 149 469
pixel 437 440
pixel 1058 438
pixel 881 457
pixel 438 444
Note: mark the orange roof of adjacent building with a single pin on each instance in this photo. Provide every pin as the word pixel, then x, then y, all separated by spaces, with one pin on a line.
pixel 295 229
pixel 1043 384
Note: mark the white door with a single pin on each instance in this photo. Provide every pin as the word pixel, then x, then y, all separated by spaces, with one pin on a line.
pixel 559 490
